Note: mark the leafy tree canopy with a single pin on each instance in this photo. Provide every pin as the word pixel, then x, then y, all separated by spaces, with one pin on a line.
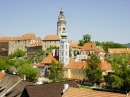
pixel 56 71
pixel 18 53
pixel 93 71
pixel 3 65
pixel 86 39
pixel 30 72
pixel 121 77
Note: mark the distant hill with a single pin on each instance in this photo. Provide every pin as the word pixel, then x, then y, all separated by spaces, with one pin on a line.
pixel 128 44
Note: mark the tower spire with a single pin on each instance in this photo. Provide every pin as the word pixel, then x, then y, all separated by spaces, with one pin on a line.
pixel 61 5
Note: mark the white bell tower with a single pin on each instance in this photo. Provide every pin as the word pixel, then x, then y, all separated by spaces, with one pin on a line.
pixel 64 48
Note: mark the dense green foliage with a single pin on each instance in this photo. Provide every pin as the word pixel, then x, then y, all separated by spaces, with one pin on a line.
pixel 120 79
pixel 94 74
pixel 18 53
pixel 86 38
pixel 107 45
pixel 56 72
pixel 30 72
pixel 3 65
pixel 52 47
pixel 38 56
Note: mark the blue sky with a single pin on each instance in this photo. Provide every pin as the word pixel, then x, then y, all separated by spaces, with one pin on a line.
pixel 104 20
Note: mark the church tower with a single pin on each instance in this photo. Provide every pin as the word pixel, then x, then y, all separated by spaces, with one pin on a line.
pixel 64 48
pixel 61 23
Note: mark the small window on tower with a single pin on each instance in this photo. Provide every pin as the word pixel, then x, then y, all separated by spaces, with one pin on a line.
pixel 59 29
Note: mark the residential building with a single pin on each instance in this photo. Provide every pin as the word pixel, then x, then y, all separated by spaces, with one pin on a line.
pixel 75 70
pixel 88 48
pixel 45 64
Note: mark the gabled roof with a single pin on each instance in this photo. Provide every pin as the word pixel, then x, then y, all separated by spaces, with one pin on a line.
pixel 118 50
pixel 89 46
pixel 48 60
pixel 76 65
pixel 104 65
pixel 77 92
pixel 18 89
pixel 51 37
pixel 7 82
pixel 47 90
pixel 92 47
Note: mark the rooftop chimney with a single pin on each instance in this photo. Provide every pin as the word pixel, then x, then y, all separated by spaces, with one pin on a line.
pixel 66 86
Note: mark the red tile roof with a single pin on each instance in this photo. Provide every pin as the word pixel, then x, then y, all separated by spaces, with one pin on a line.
pixel 92 47
pixel 48 60
pixel 76 65
pixel 89 46
pixel 104 65
pixel 118 50
pixel 24 37
pixel 52 37
pixel 29 36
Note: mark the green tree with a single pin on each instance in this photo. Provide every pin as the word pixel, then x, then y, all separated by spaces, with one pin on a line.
pixel 110 44
pixel 18 53
pixel 121 77
pixel 86 38
pixel 93 71
pixel 56 71
pixel 3 65
pixel 30 72
pixel 38 56
pixel 81 43
pixel 98 43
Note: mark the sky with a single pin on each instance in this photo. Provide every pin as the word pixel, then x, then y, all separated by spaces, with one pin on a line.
pixel 104 20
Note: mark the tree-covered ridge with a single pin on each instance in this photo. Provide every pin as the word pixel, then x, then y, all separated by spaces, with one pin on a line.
pixel 105 45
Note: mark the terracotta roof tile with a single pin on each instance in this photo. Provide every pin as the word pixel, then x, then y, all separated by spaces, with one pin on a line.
pixel 29 36
pixel 92 47
pixel 118 50
pixel 76 92
pixel 76 65
pixel 104 65
pixel 24 37
pixel 48 60
pixel 89 46
pixel 52 37
pixel 2 75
